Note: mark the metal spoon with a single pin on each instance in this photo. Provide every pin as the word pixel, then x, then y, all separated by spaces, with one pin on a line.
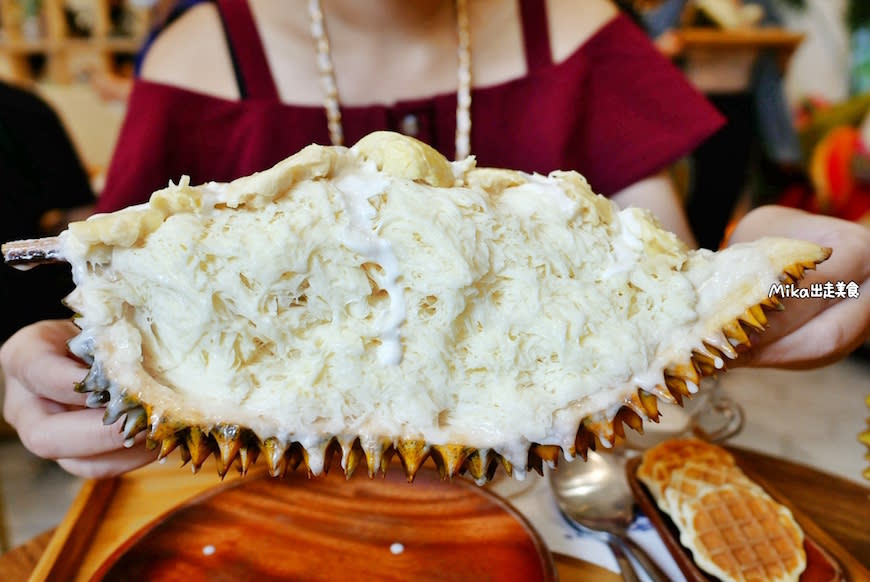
pixel 595 498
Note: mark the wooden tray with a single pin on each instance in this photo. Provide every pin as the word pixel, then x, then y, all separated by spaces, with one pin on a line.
pixel 323 528
pixel 821 566
pixel 109 515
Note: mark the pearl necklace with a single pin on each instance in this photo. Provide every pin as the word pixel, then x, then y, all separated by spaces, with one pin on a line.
pixel 330 89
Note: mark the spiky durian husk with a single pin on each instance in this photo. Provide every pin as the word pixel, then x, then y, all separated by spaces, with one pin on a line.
pixel 172 418
pixel 237 446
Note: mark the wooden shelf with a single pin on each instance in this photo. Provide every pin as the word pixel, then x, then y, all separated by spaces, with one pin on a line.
pixel 712 41
pixel 65 55
pixel 758 38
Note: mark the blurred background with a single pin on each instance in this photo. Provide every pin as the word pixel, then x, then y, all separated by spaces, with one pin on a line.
pixel 791 76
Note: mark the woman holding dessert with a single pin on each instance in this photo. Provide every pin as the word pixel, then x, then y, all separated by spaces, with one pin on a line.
pixel 233 87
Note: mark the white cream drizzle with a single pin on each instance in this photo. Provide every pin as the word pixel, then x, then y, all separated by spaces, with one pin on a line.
pixel 356 189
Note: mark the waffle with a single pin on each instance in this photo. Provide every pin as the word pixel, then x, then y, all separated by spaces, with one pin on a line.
pixel 733 528
pixel 689 481
pixel 661 461
pixel 737 533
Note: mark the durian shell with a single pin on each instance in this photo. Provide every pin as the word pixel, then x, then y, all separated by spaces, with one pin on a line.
pixel 237 446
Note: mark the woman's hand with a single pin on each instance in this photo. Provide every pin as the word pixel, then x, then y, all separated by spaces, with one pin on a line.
pixel 813 332
pixel 50 417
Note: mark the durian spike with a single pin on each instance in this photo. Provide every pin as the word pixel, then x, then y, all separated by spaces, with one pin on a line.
pixel 677 387
pixel 185 453
pixel 319 455
pixel 352 455
pixel 650 404
pixel 386 457
pixel 116 408
pixel 97 399
pixel 167 445
pixel 374 451
pixel 795 271
pixel 229 441
pixel 412 454
pixel 491 467
pixel 451 458
pixel 199 446
pixel 535 463
pixel 748 317
pixel 629 417
pixel 663 393
pixel 295 456
pixel 332 449
pixel 708 352
pixel 539 455
pixel 477 464
pixel 161 427
pixel 722 349
pixel 617 427
pixel 633 402
pixel 93 381
pixel 247 457
pixel 706 364
pixel 506 465
pixel 220 467
pixel 783 278
pixel 136 422
pixel 688 372
pixel 773 302
pixel 602 429
pixel 583 442
pixel 736 335
pixel 759 314
pixel 274 451
pixel 547 453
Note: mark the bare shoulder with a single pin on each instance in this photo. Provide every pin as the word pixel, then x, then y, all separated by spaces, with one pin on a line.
pixel 192 54
pixel 573 22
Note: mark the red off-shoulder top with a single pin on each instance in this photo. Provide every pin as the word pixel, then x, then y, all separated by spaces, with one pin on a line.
pixel 614 110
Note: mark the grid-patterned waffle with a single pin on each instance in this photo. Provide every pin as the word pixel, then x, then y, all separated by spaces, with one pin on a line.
pixel 661 461
pixel 741 534
pixel 733 528
pixel 687 482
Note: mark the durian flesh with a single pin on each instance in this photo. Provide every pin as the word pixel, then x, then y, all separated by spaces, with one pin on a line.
pixel 381 299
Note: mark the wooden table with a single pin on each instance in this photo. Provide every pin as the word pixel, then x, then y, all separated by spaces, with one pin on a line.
pixel 841 508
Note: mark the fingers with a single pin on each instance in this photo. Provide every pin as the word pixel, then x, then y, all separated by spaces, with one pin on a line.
pixel 76 438
pixel 109 464
pixel 832 334
pixel 42 405
pixel 846 258
pixel 38 359
pixel 50 430
pixel 813 332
